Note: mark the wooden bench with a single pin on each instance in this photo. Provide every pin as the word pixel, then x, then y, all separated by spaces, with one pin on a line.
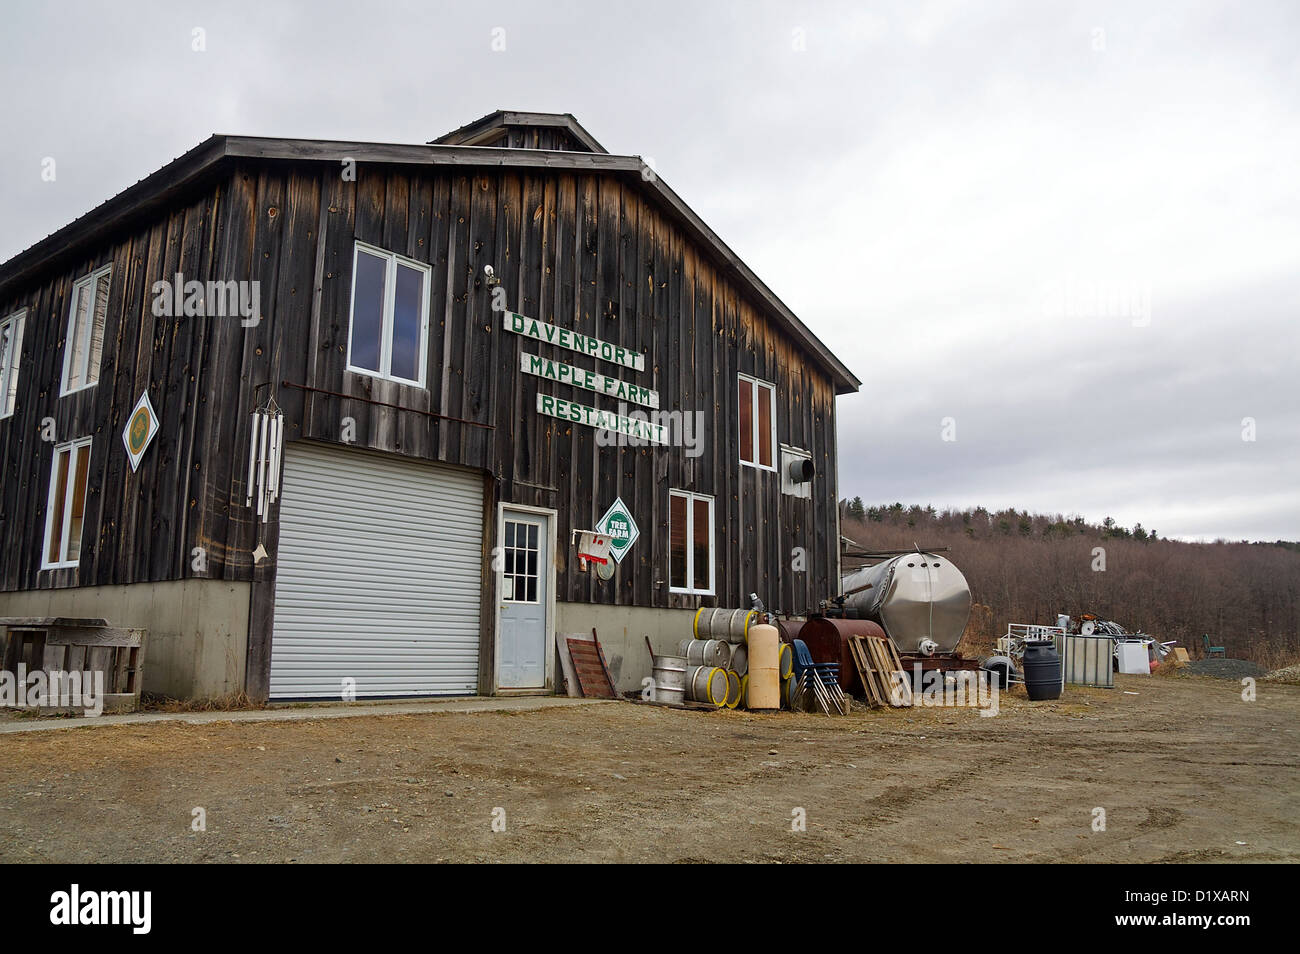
pixel 65 644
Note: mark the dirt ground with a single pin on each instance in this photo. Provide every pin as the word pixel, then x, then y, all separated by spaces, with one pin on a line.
pixel 1185 771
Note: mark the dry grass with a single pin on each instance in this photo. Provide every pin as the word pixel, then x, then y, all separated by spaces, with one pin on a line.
pixel 979 638
pixel 1170 667
pixel 229 702
pixel 1273 657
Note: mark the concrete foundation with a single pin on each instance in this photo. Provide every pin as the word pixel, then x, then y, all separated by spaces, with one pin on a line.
pixel 198 629
pixel 621 630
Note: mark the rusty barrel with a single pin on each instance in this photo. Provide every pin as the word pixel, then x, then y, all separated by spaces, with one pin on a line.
pixel 828 642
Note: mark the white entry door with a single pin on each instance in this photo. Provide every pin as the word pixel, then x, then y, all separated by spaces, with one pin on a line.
pixel 525 600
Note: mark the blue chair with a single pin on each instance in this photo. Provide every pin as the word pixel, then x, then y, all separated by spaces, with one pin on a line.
pixel 1213 650
pixel 828 673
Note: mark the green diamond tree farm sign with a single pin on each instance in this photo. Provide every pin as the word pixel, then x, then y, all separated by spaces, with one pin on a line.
pixel 618 525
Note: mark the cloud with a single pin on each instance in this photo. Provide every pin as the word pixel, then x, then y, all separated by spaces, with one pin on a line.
pixel 970 203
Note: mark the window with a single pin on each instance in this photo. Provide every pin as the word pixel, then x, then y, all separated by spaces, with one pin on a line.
pixel 757 422
pixel 67 510
pixel 11 346
pixel 85 344
pixel 690 543
pixel 389 330
pixel 521 568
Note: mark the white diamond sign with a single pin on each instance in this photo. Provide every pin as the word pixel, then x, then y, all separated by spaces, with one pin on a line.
pixel 618 525
pixel 140 428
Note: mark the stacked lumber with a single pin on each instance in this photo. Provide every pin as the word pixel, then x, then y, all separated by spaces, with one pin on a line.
pixel 884 680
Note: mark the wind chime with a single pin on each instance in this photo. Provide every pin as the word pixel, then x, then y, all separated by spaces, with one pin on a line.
pixel 265 448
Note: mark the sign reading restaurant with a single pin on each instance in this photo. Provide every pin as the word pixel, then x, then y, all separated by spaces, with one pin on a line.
pixel 601 420
pixel 564 338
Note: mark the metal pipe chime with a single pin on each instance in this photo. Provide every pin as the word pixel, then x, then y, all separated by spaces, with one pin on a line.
pixel 265 448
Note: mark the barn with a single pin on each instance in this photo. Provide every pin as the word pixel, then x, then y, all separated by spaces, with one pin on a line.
pixel 330 415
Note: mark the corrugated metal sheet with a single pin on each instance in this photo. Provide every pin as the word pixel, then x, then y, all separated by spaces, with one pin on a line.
pixel 1087 661
pixel 379 576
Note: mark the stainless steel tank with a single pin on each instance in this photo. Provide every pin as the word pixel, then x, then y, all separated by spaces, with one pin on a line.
pixel 920 599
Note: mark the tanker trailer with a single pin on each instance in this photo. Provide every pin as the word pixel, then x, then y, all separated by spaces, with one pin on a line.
pixel 920 599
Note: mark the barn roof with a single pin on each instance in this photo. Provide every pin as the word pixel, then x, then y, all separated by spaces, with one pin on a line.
pixel 212 155
pixel 489 129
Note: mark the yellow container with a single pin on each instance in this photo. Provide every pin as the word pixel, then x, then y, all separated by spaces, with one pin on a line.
pixel 764 667
pixel 787 661
pixel 733 689
pixel 707 684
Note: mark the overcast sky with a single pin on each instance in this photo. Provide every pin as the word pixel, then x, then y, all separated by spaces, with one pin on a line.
pixel 1066 234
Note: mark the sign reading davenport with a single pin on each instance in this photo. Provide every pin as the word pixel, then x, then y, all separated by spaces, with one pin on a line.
pixel 574 341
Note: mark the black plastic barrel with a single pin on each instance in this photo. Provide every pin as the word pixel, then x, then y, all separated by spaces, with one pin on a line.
pixel 1043 677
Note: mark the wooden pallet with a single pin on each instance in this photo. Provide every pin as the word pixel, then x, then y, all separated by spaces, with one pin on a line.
pixel 589 667
pixel 881 670
pixel 866 673
pixel 58 644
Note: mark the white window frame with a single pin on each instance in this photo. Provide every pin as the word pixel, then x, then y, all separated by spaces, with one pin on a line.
pixel 690 588
pixel 753 408
pixel 386 330
pixel 539 576
pixel 10 367
pixel 69 493
pixel 90 281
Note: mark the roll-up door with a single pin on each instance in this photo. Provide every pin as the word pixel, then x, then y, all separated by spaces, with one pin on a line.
pixel 379 576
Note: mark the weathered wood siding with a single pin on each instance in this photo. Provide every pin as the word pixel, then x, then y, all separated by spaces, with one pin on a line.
pixel 587 252
pixel 139 526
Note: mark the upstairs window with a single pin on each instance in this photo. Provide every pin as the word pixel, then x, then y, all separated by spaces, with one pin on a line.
pixel 85 342
pixel 690 543
pixel 66 513
pixel 757 403
pixel 388 333
pixel 11 346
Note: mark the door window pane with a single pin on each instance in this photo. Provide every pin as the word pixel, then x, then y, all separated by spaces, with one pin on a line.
pixel 77 338
pixel 521 573
pixel 746 396
pixel 702 535
pixel 58 504
pixel 76 517
pixel 677 541
pixel 97 329
pixel 368 312
pixel 764 426
pixel 408 308
pixel 11 345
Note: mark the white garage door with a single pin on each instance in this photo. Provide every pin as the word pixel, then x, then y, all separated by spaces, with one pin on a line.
pixel 379 576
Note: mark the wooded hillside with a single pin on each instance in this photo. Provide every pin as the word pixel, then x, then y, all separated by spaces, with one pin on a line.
pixel 1028 567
